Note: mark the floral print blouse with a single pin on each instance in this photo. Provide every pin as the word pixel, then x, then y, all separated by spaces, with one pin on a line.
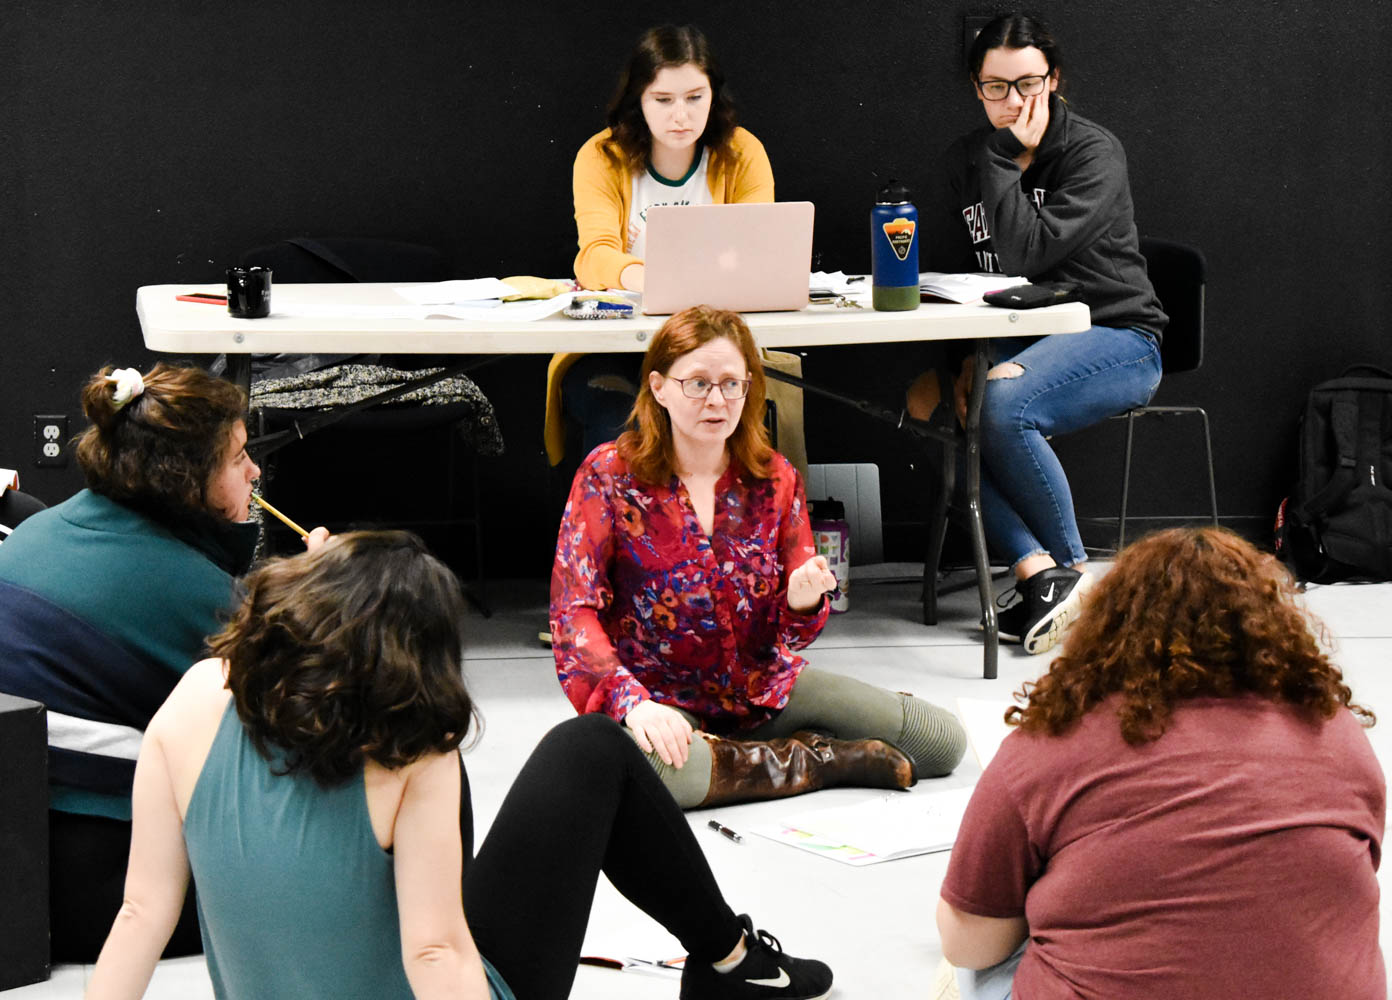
pixel 645 605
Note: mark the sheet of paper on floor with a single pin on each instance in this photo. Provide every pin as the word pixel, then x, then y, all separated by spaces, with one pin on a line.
pixel 896 825
pixel 984 721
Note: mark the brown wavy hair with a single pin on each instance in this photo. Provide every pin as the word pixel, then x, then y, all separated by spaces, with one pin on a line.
pixel 630 142
pixel 647 443
pixel 347 654
pixel 1186 613
pixel 160 450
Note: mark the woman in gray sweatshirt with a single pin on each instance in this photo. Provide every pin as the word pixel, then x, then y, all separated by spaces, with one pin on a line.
pixel 1043 193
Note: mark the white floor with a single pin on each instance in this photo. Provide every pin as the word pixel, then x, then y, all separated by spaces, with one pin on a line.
pixel 873 925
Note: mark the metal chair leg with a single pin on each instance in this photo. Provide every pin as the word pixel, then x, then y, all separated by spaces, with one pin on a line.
pixel 1208 450
pixel 937 533
pixel 947 488
pixel 1131 416
pixel 1126 478
pixel 480 599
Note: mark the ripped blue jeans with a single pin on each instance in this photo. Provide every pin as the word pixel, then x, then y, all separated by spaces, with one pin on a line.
pixel 1070 381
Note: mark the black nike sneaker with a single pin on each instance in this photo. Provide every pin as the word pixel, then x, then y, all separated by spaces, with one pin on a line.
pixel 764 974
pixel 1049 602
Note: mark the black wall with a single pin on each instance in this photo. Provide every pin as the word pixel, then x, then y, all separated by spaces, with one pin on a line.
pixel 150 142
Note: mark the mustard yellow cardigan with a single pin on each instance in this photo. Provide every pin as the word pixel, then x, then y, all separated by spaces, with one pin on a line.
pixel 603 191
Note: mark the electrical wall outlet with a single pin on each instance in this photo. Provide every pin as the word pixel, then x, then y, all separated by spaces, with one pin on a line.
pixel 50 439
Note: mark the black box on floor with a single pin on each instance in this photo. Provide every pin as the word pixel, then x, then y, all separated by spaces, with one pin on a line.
pixel 23 842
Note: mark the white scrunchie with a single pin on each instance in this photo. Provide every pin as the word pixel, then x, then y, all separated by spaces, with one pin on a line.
pixel 129 384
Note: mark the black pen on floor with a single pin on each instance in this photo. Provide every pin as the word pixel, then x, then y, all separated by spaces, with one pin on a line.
pixel 725 831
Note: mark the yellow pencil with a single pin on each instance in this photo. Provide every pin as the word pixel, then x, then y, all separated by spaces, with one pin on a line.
pixel 283 519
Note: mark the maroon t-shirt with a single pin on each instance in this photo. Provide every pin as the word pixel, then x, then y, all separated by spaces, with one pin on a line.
pixel 1235 856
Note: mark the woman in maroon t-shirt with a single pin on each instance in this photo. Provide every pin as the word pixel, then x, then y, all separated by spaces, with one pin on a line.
pixel 1190 807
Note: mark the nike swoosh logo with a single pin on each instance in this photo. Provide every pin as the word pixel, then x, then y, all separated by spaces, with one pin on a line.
pixel 1049 594
pixel 777 984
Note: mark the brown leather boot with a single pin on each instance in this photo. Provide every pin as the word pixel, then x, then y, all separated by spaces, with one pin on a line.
pixel 752 770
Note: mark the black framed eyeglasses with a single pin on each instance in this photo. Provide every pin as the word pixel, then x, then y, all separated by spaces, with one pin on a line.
pixel 699 388
pixel 999 90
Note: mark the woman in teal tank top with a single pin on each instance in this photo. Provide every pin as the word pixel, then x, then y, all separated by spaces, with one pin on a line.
pixel 323 810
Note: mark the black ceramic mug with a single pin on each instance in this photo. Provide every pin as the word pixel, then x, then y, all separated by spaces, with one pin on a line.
pixel 249 292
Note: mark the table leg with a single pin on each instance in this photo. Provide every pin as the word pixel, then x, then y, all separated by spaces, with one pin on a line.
pixel 239 372
pixel 978 531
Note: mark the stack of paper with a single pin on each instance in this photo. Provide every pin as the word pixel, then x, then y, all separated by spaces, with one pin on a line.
pixel 480 299
pixel 964 287
pixel 477 292
pixel 826 283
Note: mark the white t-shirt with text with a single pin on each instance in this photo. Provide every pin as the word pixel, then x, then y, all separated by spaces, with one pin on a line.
pixel 649 189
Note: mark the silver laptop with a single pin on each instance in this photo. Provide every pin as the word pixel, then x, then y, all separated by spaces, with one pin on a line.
pixel 748 257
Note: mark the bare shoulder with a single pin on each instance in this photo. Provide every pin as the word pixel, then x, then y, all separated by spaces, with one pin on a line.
pixel 200 695
pixel 434 771
pixel 425 787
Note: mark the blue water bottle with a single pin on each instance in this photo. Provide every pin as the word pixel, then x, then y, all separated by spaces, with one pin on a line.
pixel 894 250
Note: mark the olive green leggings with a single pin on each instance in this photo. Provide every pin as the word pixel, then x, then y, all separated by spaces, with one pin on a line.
pixel 843 708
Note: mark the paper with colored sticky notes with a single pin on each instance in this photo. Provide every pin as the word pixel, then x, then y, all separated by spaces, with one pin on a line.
pixel 885 828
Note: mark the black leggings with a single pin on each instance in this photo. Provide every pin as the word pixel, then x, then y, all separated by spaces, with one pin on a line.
pixel 87 858
pixel 587 801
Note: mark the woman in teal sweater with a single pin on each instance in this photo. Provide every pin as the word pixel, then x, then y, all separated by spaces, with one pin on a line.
pixel 106 598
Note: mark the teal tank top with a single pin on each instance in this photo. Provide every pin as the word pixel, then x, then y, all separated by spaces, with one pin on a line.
pixel 296 898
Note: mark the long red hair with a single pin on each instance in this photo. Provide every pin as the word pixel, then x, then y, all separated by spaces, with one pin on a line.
pixel 1186 613
pixel 646 445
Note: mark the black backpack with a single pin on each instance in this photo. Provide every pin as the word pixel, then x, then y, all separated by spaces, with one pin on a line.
pixel 1337 524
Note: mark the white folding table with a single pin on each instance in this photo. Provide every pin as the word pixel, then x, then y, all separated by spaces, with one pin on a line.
pixel 348 318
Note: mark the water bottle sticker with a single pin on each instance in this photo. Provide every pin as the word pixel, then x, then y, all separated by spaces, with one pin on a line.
pixel 900 233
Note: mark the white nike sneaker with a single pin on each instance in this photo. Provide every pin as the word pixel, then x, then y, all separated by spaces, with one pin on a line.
pixel 765 973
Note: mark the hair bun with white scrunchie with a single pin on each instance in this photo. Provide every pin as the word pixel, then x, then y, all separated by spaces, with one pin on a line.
pixel 129 384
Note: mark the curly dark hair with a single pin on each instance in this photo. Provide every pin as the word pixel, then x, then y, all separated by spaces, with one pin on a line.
pixel 159 451
pixel 630 143
pixel 350 653
pixel 1186 613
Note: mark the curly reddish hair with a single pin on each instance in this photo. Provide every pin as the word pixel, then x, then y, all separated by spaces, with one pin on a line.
pixel 1186 613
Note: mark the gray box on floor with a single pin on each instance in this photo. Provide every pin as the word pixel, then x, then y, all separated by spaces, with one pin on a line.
pixel 24 951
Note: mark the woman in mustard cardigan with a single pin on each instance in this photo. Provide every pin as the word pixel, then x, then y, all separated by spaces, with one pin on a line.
pixel 671 140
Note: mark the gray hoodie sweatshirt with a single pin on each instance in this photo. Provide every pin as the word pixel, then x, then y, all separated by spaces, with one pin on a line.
pixel 1069 217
